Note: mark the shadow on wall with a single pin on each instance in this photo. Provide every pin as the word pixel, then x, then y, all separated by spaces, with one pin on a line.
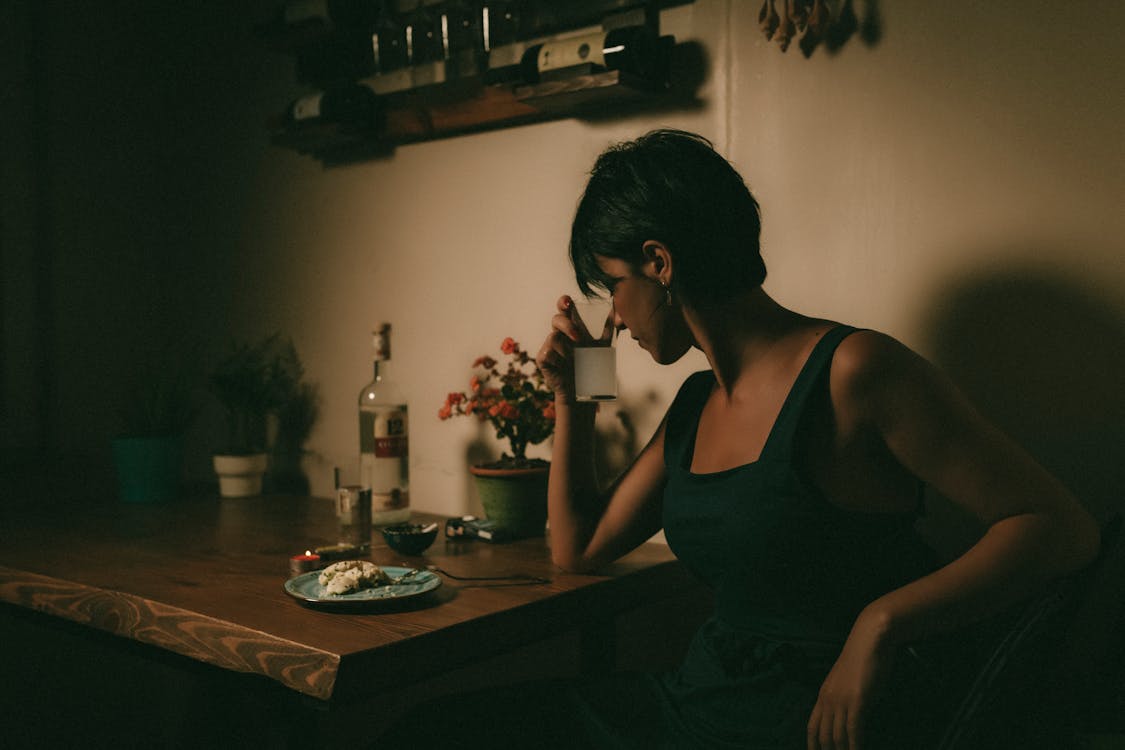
pixel 1043 358
pixel 477 452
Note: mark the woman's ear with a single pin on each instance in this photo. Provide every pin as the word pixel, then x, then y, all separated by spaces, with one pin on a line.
pixel 658 262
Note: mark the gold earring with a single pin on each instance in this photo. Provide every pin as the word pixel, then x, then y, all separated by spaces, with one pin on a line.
pixel 667 294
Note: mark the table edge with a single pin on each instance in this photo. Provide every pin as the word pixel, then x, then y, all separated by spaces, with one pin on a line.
pixel 429 654
pixel 191 634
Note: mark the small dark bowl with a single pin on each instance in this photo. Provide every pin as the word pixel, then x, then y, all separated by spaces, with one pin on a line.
pixel 410 538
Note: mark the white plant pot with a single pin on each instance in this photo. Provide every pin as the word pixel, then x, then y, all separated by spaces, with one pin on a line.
pixel 240 476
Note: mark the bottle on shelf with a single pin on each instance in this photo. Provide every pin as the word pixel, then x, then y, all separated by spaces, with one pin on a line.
pixel 463 38
pixel 631 49
pixel 424 37
pixel 354 106
pixel 344 56
pixel 500 23
pixel 384 439
pixel 389 44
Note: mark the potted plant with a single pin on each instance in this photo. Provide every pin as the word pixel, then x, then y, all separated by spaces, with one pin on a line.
pixel 295 420
pixel 252 382
pixel 516 401
pixel 148 451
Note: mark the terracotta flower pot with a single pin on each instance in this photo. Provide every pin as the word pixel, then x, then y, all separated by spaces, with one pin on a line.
pixel 516 499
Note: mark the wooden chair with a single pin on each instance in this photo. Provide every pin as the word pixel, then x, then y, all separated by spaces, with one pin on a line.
pixel 1034 684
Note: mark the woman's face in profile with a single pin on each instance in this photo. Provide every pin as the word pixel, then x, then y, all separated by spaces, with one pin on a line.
pixel 640 305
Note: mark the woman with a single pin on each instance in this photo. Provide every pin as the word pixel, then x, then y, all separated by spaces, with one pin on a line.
pixel 788 475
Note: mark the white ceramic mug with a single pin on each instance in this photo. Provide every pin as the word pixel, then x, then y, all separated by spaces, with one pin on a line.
pixel 595 362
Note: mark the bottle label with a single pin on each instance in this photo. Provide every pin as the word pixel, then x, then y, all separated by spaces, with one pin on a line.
pixel 391 435
pixel 307 107
pixel 576 50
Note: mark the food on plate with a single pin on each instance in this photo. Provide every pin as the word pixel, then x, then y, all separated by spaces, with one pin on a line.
pixel 352 575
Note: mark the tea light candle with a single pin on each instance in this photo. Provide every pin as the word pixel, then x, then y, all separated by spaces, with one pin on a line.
pixel 305 563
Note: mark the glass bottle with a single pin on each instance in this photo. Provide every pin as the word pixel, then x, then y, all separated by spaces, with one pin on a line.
pixel 424 37
pixel 384 455
pixel 354 106
pixel 631 49
pixel 463 39
pixel 389 43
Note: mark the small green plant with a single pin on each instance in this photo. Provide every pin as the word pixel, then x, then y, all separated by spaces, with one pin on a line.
pixel 253 381
pixel 161 397
pixel 296 417
pixel 295 420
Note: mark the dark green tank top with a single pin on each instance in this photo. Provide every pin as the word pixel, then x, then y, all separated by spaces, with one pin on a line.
pixel 783 561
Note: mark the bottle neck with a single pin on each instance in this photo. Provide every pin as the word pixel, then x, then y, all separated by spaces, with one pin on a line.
pixel 379 369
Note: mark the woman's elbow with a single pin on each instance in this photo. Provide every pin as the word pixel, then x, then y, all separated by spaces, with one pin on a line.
pixel 571 561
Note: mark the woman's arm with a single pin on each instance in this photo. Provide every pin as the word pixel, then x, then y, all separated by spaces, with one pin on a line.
pixel 1036 531
pixel 589 528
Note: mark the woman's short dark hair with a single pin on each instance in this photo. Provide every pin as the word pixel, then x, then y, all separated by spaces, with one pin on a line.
pixel 672 187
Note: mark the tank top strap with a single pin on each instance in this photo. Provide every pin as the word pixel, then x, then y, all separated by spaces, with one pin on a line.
pixel 780 441
pixel 683 414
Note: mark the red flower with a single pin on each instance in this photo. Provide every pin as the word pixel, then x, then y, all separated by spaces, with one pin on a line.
pixel 526 416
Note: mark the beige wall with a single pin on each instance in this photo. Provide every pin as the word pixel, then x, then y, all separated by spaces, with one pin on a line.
pixel 958 185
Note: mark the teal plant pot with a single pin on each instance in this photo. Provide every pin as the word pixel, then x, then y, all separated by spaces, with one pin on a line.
pixel 149 469
pixel 515 499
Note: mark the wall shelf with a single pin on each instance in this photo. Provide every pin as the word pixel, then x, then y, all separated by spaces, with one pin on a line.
pixel 395 110
pixel 441 111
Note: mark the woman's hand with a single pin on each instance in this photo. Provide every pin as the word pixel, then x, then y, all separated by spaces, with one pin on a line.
pixel 838 718
pixel 556 356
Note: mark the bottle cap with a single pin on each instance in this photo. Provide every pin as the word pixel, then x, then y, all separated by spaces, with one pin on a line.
pixel 381 341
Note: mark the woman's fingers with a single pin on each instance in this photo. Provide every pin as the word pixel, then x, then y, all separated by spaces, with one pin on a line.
pixel 840 730
pixel 554 355
pixel 832 728
pixel 813 729
pixel 554 349
pixel 565 323
pixel 569 322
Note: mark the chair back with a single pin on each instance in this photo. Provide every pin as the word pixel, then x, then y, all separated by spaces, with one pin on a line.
pixel 1026 692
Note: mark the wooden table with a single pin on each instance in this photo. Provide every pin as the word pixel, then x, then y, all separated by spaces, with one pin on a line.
pixel 200 582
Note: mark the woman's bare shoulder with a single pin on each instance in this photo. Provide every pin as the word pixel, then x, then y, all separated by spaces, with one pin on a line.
pixel 870 367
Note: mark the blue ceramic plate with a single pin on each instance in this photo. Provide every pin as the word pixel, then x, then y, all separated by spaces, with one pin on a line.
pixel 307 588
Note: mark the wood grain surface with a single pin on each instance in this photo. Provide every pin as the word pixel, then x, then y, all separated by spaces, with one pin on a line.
pixel 203 578
pixel 207 639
